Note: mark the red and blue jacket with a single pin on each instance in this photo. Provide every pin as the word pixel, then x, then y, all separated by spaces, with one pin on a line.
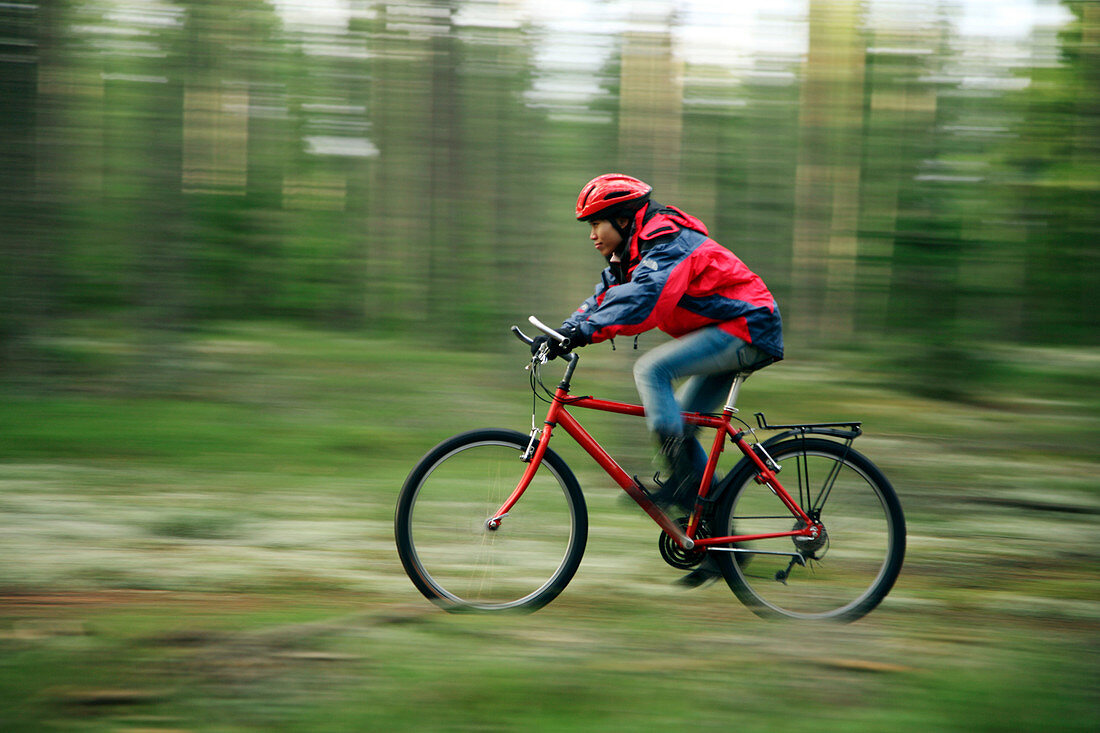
pixel 676 278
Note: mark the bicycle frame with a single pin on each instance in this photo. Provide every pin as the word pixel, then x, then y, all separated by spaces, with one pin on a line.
pixel 559 415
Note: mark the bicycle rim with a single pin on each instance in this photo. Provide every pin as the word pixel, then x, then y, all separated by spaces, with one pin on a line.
pixel 841 575
pixel 456 560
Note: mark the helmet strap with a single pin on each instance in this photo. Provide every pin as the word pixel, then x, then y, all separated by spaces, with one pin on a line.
pixel 624 232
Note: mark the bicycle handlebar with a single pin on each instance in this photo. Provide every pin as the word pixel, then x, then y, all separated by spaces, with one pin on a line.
pixel 540 326
pixel 546 329
pixel 522 336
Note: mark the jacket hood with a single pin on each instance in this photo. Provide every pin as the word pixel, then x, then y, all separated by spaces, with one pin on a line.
pixel 656 221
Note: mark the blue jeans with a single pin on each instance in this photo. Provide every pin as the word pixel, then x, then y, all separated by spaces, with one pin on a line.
pixel 710 357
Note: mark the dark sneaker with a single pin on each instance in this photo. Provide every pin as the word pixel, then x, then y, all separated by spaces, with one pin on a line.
pixel 682 484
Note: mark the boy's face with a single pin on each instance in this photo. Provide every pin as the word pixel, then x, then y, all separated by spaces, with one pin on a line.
pixel 604 237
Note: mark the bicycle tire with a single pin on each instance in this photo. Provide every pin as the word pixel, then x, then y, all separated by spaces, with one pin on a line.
pixel 849 570
pixel 455 560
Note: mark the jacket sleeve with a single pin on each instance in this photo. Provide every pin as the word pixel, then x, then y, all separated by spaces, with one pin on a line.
pixel 607 280
pixel 657 284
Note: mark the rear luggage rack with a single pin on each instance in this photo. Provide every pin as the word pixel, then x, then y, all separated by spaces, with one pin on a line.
pixel 819 428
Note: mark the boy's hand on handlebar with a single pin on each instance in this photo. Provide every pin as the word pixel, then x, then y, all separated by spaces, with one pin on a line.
pixel 554 348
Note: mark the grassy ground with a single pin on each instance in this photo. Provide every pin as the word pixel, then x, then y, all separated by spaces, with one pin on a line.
pixel 212 551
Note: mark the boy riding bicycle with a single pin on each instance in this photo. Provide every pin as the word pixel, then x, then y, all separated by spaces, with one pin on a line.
pixel 495 520
pixel 665 272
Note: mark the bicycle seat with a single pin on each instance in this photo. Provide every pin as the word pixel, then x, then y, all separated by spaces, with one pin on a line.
pixel 744 372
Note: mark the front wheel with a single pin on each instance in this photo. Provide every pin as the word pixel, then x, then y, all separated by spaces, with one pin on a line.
pixel 450 553
pixel 840 575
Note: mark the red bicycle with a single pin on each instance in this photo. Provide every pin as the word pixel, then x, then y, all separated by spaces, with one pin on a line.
pixel 495 519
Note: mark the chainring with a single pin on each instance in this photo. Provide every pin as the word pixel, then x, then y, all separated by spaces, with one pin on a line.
pixel 677 556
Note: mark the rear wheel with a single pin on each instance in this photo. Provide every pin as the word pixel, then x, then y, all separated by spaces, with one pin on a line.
pixel 450 553
pixel 840 575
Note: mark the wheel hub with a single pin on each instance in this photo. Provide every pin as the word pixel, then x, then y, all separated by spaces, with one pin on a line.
pixel 810 545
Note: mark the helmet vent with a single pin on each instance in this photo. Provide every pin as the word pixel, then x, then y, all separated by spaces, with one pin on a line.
pixel 603 195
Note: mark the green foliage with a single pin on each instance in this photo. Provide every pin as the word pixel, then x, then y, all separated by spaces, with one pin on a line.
pixel 387 180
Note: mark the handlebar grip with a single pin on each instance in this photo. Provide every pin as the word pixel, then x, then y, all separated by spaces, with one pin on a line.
pixel 540 326
pixel 547 330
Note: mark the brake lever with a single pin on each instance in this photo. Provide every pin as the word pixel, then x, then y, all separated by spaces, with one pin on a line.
pixel 541 356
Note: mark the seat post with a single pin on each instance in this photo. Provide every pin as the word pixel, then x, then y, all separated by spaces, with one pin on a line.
pixel 735 388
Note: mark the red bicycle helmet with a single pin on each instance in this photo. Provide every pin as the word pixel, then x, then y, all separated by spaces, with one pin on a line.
pixel 604 195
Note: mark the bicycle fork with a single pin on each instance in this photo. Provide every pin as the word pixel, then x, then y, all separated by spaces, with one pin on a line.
pixel 532 456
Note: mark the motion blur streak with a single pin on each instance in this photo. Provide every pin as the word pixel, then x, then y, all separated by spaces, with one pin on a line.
pixel 922 171
pixel 256 254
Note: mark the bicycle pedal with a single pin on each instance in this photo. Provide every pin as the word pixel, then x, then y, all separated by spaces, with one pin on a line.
pixel 650 493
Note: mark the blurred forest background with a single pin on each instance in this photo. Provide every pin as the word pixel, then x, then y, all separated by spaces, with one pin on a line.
pixel 251 251
pixel 918 176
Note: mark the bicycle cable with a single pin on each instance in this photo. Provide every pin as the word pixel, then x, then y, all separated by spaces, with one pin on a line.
pixel 537 383
pixel 535 378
